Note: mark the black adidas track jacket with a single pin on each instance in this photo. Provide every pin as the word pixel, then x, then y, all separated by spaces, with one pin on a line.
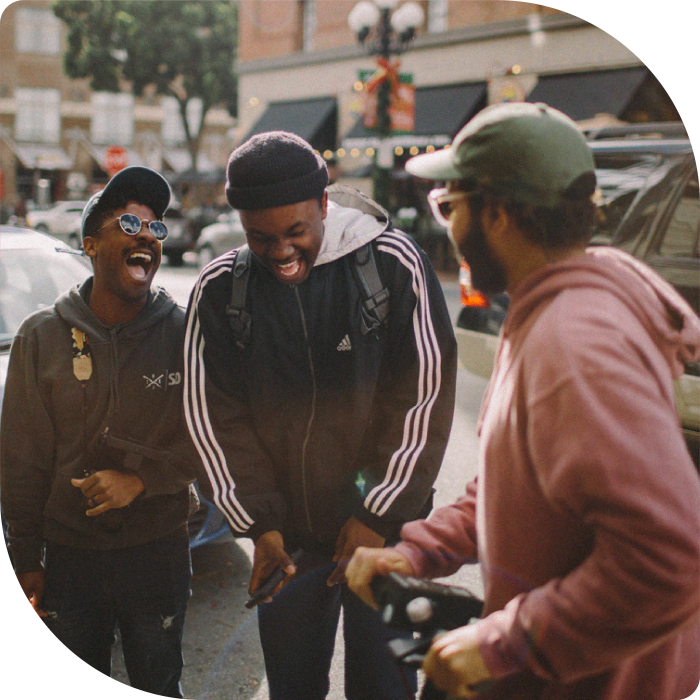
pixel 313 421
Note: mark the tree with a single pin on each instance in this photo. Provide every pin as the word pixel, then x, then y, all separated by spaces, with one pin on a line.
pixel 185 49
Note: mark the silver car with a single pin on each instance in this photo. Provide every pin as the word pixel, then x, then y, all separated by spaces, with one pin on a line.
pixel 218 238
pixel 34 270
pixel 61 220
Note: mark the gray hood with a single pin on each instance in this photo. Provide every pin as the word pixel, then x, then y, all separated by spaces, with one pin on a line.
pixel 72 307
pixel 353 219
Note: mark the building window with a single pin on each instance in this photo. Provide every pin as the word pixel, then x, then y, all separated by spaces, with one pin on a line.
pixel 38 116
pixel 437 16
pixel 309 22
pixel 37 30
pixel 172 131
pixel 112 118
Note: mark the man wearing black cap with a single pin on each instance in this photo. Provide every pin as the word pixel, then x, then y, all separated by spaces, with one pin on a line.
pixel 94 471
pixel 321 412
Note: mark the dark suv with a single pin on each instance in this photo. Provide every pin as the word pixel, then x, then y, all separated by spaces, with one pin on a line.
pixel 179 239
pixel 650 207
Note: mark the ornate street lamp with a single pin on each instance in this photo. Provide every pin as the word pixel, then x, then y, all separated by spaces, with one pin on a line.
pixel 384 31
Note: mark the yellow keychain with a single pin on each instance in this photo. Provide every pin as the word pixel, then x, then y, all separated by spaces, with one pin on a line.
pixel 82 361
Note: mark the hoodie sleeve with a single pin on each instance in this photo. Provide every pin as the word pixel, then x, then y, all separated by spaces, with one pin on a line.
pixel 415 402
pixel 27 465
pixel 446 541
pixel 236 471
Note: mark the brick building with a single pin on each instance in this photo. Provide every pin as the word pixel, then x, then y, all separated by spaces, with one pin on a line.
pixel 55 131
pixel 300 65
pixel 299 68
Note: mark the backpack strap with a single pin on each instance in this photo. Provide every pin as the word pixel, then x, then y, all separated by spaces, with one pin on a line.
pixel 239 319
pixel 375 296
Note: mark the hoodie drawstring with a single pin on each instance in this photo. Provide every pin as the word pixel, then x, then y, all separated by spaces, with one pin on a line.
pixel 114 404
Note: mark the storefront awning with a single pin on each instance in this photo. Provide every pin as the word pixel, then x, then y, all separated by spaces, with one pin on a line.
pixel 441 111
pixel 42 156
pixel 314 120
pixel 99 153
pixel 584 95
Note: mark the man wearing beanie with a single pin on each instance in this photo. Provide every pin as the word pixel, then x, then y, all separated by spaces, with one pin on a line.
pixel 95 475
pixel 323 428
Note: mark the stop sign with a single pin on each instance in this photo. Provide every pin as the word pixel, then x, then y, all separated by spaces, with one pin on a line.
pixel 115 160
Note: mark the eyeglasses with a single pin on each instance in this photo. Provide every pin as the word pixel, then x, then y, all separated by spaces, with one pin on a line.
pixel 132 225
pixel 441 202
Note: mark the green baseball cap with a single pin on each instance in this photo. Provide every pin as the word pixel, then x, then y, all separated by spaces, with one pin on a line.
pixel 529 153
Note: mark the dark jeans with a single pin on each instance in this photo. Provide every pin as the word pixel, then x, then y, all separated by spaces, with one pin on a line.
pixel 141 590
pixel 297 633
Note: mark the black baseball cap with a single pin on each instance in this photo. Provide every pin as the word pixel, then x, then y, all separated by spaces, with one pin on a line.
pixel 135 184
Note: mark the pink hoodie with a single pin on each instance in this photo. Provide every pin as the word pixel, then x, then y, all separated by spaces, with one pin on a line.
pixel 586 511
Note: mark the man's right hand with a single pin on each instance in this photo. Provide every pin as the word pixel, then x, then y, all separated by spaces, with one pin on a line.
pixel 269 554
pixel 32 583
pixel 366 563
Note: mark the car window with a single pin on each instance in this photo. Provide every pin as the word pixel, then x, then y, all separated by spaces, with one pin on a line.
pixel 681 238
pixel 650 203
pixel 673 253
pixel 31 279
pixel 619 178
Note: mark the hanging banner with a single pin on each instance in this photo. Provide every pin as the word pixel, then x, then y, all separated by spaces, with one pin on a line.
pixel 402 100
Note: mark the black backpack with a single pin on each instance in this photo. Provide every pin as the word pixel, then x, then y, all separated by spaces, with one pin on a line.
pixel 375 297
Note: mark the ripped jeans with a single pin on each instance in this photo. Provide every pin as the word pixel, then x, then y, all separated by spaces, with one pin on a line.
pixel 142 591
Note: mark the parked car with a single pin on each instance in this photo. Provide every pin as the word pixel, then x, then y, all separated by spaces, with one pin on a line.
pixel 34 270
pixel 179 239
pixel 218 238
pixel 61 220
pixel 649 206
pixel 200 216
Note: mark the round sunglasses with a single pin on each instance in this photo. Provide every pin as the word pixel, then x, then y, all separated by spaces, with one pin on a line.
pixel 132 225
pixel 441 203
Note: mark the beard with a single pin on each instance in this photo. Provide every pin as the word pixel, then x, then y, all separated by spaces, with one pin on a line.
pixel 488 273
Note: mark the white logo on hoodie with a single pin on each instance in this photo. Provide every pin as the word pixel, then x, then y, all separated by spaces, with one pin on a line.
pixel 164 380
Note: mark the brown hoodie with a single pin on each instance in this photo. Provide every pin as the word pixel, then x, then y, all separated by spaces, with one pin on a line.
pixel 586 511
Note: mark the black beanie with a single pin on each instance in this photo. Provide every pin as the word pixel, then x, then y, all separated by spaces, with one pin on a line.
pixel 274 169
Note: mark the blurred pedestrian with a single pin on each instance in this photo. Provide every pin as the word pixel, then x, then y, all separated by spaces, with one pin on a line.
pixel 19 217
pixel 321 411
pixel 94 471
pixel 585 515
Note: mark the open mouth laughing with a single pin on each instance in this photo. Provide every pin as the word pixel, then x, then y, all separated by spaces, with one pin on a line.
pixel 288 272
pixel 140 263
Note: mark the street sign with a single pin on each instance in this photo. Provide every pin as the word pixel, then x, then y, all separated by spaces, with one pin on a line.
pixel 115 160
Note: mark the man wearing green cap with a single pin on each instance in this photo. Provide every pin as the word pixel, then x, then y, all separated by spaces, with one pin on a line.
pixel 94 455
pixel 585 515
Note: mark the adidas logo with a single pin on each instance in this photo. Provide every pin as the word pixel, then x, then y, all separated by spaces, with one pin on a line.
pixel 345 344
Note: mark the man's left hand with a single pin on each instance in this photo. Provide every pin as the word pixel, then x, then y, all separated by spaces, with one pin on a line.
pixel 108 489
pixel 354 534
pixel 455 665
